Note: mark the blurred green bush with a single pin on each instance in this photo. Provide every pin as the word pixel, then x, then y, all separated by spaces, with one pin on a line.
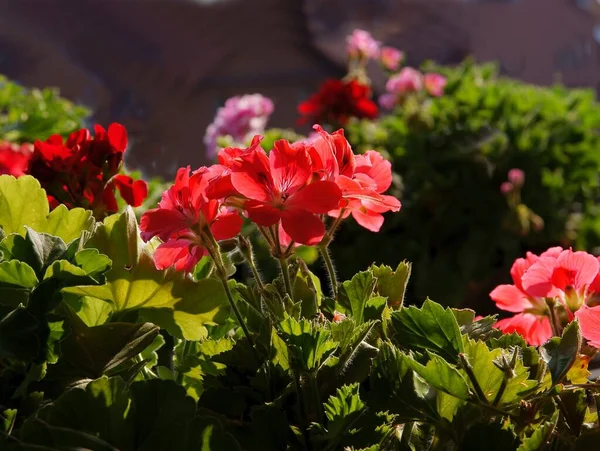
pixel 452 154
pixel 30 114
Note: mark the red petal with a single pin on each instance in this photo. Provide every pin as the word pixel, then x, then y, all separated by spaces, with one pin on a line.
pixel 262 214
pixel 117 136
pixel 182 254
pixel 318 197
pixel 376 167
pixel 575 269
pixel 535 329
pixel 290 166
pixel 537 281
pixel 226 226
pixel 162 223
pixel 303 227
pixel 251 176
pixel 133 192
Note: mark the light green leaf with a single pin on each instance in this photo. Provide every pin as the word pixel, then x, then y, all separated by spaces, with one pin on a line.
pixel 355 293
pixel 540 436
pixel 17 274
pixel 309 343
pixel 343 410
pixel 392 284
pixel 22 202
pixel 441 375
pixel 560 353
pixel 68 224
pixel 169 299
pixel 430 328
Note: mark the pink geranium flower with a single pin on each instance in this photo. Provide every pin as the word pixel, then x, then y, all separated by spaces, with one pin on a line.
pixel 391 58
pixel 361 44
pixel 435 84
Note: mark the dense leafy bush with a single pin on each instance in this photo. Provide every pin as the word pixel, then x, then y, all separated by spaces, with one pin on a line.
pixel 84 365
pixel 30 114
pixel 453 153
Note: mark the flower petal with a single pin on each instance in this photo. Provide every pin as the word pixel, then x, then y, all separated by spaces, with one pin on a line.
pixel 182 254
pixel 535 329
pixel 262 214
pixel 368 219
pixel 589 320
pixel 290 166
pixel 132 191
pixel 226 226
pixel 510 298
pixel 318 197
pixel 303 227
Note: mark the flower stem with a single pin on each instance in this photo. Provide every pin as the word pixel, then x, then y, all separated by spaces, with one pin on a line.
pixel 553 318
pixel 469 370
pixel 285 272
pixel 238 315
pixel 330 269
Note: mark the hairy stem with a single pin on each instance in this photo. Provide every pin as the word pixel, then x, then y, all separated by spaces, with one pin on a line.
pixel 469 370
pixel 330 269
pixel 554 323
pixel 285 272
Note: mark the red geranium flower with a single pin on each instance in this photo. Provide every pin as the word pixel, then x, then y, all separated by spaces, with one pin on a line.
pixel 181 219
pixel 84 171
pixel 14 158
pixel 337 101
pixel 278 187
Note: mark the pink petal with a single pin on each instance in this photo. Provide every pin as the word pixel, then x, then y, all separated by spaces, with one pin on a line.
pixel 537 281
pixel 519 267
pixel 535 329
pixel 510 298
pixel 589 321
pixel 574 269
pixel 376 167
pixel 368 219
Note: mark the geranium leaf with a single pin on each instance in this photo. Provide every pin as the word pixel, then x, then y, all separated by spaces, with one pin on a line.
pixel 355 293
pixel 23 203
pixel 208 434
pixel 392 284
pixel 46 248
pixel 441 375
pixel 309 344
pixel 560 353
pixel 17 279
pixel 18 336
pixel 430 328
pixel 167 298
pixel 540 436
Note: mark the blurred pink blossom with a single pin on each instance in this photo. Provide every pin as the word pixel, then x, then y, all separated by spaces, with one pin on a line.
pixel 506 187
pixel 391 58
pixel 516 177
pixel 361 44
pixel 408 80
pixel 435 84
pixel 388 100
pixel 242 117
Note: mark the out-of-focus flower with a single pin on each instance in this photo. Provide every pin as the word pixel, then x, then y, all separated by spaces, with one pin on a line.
pixel 84 171
pixel 407 80
pixel 360 44
pixel 506 187
pixel 435 84
pixel 241 118
pixel 14 158
pixel 336 102
pixel 516 177
pixel 391 58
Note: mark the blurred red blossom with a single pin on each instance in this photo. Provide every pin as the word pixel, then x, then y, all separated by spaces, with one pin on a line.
pixel 14 158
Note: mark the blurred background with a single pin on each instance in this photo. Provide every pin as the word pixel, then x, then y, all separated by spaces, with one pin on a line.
pixel 162 68
pixel 519 81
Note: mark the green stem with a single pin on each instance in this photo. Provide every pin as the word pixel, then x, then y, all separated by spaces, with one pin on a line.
pixel 184 352
pixel 469 370
pixel 330 269
pixel 285 272
pixel 553 318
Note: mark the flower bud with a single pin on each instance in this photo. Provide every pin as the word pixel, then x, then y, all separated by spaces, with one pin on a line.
pixel 506 187
pixel 516 177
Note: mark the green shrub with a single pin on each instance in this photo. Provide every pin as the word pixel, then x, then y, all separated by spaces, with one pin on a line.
pixel 30 114
pixel 452 153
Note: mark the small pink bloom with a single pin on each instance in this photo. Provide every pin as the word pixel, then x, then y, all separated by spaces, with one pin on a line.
pixel 388 100
pixel 535 329
pixel 338 317
pixel 391 58
pixel 408 80
pixel 361 44
pixel 516 177
pixel 435 84
pixel 506 187
pixel 589 320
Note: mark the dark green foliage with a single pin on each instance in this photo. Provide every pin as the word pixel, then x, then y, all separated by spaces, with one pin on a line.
pixel 451 155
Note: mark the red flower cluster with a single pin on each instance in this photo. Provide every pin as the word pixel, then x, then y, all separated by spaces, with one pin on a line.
pixel 286 193
pixel 337 101
pixel 560 279
pixel 14 158
pixel 84 171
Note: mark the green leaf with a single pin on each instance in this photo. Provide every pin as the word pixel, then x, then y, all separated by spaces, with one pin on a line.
pixel 68 224
pixel 208 434
pixel 93 263
pixel 93 351
pixel 18 336
pixel 490 377
pixel 355 293
pixel 22 202
pixel 392 284
pixel 428 328
pixel 540 436
pixel 441 375
pixel 169 299
pixel 46 249
pixel 309 343
pixel 162 411
pixel 17 279
pixel 7 420
pixel 92 311
pixel 560 353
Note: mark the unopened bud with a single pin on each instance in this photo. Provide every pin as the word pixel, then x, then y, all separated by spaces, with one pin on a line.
pixel 516 177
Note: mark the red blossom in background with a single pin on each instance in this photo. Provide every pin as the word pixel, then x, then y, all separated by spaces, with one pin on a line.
pixel 84 171
pixel 336 102
pixel 14 158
